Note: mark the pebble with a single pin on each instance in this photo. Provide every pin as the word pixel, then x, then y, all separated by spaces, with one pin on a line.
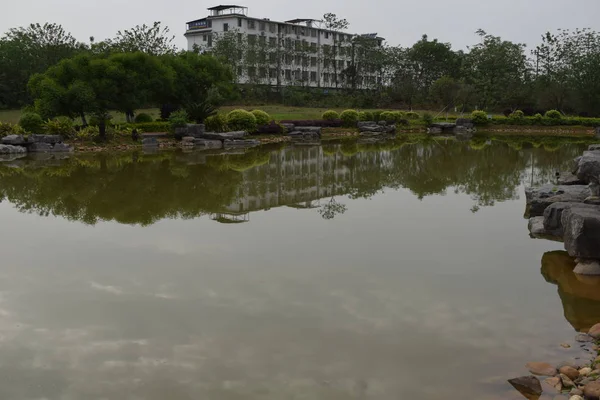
pixel 591 391
pixel 576 397
pixel 541 368
pixel 565 345
pixel 570 372
pixel 566 381
pixel 585 371
pixel 576 392
pixel 582 337
pixel 595 331
pixel 554 382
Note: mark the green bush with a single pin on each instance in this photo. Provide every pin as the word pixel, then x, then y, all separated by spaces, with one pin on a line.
pixel 538 118
pixel 330 115
pixel 87 133
pixel 152 127
pixel 553 114
pixel 427 118
pixel 365 116
pixel 412 115
pixel 143 118
pixel 216 123
pixel 349 118
pixel 377 116
pixel 178 119
pixel 95 121
pixel 62 126
pixel 480 118
pixel 387 116
pixel 10 129
pixel 262 118
pixel 398 116
pixel 241 120
pixel 31 122
pixel 517 114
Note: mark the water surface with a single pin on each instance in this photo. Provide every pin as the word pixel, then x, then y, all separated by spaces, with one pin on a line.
pixel 347 271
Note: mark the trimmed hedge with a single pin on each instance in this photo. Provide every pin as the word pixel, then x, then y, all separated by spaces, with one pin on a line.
pixel 216 123
pixel 349 118
pixel 330 115
pixel 32 122
pixel 538 120
pixel 241 120
pixel 262 118
pixel 272 128
pixel 143 118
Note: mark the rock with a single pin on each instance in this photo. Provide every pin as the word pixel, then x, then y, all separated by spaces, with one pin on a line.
pixel 188 139
pixel 14 140
pixel 240 143
pixel 594 147
pixel 582 338
pixel 576 392
pixel 538 230
pixel 62 148
pixel 566 381
pixel 382 123
pixel 361 124
pixel 538 199
pixel 585 371
pixel 222 136
pixel 588 166
pixel 591 391
pixel 576 397
pixel 150 142
pixel 288 127
pixel 565 345
pixel 570 372
pixel 581 226
pixel 597 132
pixel 555 382
pixel 553 216
pixel 541 368
pixel 40 148
pixel 588 267
pixel 10 149
pixel 310 129
pixel 195 130
pixel 208 144
pixel 595 331
pixel 527 385
pixel 465 122
pixel 50 139
pixel 594 200
pixel 568 178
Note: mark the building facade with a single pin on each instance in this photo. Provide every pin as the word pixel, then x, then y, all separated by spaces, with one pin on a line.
pixel 300 52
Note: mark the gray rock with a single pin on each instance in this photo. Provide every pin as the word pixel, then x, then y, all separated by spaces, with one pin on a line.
pixel 40 148
pixel 310 129
pixel 538 199
pixel 598 131
pixel 568 178
pixel 223 136
pixel 208 144
pixel 588 166
pixel 62 148
pixel 465 122
pixel 376 129
pixel 583 338
pixel 527 385
pixel 10 149
pixel 588 267
pixel 433 130
pixel 581 227
pixel 593 200
pixel 566 381
pixel 188 139
pixel 241 143
pixel 51 139
pixel 288 127
pixel 382 123
pixel 14 140
pixel 553 216
pixel 360 124
pixel 195 130
pixel 537 229
pixel 593 147
pixel 150 142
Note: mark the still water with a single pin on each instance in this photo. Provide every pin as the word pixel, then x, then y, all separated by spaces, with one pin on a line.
pixel 347 271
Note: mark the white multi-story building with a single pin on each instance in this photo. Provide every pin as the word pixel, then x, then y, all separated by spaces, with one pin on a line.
pixel 300 52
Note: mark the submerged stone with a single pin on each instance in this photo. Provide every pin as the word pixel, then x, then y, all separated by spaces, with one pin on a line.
pixel 528 386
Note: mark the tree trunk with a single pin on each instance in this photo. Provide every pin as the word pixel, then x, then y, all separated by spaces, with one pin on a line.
pixel 83 120
pixel 102 129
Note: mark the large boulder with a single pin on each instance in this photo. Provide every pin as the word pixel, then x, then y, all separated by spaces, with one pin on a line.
pixel 15 140
pixel 593 147
pixel 50 139
pixel 528 386
pixel 240 143
pixel 568 178
pixel 195 130
pixel 552 220
pixel 208 144
pixel 10 149
pixel 465 122
pixel 222 136
pixel 538 199
pixel 588 167
pixel 581 226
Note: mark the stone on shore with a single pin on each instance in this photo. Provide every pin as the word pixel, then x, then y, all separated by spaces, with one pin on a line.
pixel 538 199
pixel 576 397
pixel 566 381
pixel 585 371
pixel 555 382
pixel 51 139
pixel 581 226
pixel 595 333
pixel 593 147
pixel 222 136
pixel 570 372
pixel 588 267
pixel 569 179
pixel 150 142
pixel 208 144
pixel 553 216
pixel 537 230
pixel 15 140
pixel 527 385
pixel 588 166
pixel 10 149
pixel 541 368
pixel 591 391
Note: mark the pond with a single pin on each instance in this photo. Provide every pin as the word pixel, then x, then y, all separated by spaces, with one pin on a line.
pixel 344 271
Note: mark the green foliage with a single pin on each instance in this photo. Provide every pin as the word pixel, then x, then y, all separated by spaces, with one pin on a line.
pixel 377 115
pixel 412 115
pixel 241 120
pixel 538 118
pixel 31 122
pixel 262 118
pixel 365 116
pixel 88 133
pixel 553 114
pixel 480 118
pixel 517 114
pixel 330 115
pixel 62 126
pixel 349 118
pixel 10 129
pixel 216 123
pixel 199 111
pixel 143 118
pixel 152 126
pixel 178 119
pixel 388 116
pixel 399 116
pixel 427 118
pixel 95 120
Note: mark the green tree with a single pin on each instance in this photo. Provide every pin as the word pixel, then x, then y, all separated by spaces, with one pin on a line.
pixel 334 25
pixel 154 40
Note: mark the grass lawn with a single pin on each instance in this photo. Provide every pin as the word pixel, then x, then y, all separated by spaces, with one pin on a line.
pixel 13 116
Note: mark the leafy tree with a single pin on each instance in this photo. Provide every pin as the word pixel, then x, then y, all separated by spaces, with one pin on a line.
pixel 335 25
pixel 154 40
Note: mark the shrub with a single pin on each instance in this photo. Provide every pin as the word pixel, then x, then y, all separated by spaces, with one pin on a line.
pixel 178 119
pixel 336 123
pixel 143 118
pixel 398 116
pixel 241 120
pixel 517 114
pixel 377 115
pixel 553 114
pixel 480 118
pixel 538 118
pixel 428 118
pixel 31 122
pixel 10 129
pixel 89 132
pixel 387 116
pixel 152 126
pixel 412 115
pixel 262 118
pixel 349 118
pixel 62 126
pixel 365 116
pixel 330 115
pixel 216 123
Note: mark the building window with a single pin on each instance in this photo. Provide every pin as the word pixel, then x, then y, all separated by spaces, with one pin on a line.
pixel 262 72
pixel 251 40
pixel 340 64
pixel 313 47
pixel 326 35
pixel 209 23
pixel 251 72
pixel 272 58
pixel 288 74
pixel 209 41
pixel 272 28
pixel 272 73
pixel 313 61
pixel 313 76
pixel 225 27
pixel 305 76
pixel 251 24
pixel 272 42
pixel 313 33
pixel 262 40
pixel 204 38
pixel 261 26
pixel 326 77
pixel 239 71
pixel 239 37
pixel 239 22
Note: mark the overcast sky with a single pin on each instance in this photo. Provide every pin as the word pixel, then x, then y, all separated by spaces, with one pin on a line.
pixel 400 22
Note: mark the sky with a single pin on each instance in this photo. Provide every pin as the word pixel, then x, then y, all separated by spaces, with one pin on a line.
pixel 400 22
